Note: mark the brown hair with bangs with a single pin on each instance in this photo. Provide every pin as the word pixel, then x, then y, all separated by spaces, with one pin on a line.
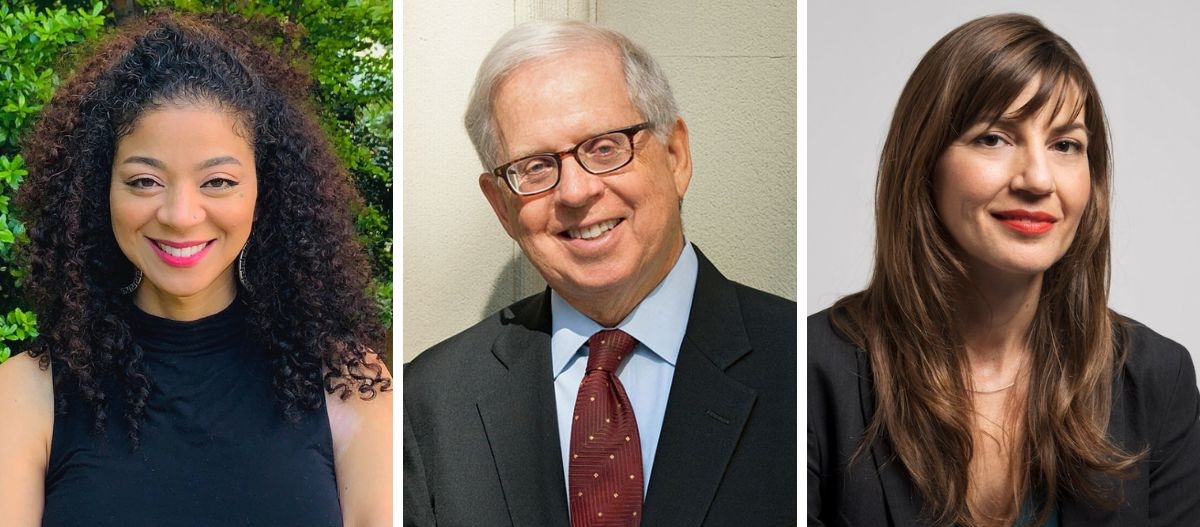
pixel 905 319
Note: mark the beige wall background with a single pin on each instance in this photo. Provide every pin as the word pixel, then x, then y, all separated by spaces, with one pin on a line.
pixel 732 66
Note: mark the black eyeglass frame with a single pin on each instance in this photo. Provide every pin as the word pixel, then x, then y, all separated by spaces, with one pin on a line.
pixel 501 171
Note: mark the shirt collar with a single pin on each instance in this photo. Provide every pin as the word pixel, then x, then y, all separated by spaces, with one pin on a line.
pixel 658 322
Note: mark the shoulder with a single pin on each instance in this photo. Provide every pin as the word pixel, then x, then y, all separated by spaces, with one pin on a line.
pixel 26 389
pixel 839 382
pixel 377 406
pixel 1153 360
pixel 769 320
pixel 830 354
pixel 355 419
pixel 763 308
pixel 466 355
pixel 27 414
pixel 1155 363
pixel 362 452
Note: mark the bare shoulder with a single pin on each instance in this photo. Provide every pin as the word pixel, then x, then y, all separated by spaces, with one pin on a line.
pixel 375 403
pixel 362 451
pixel 26 390
pixel 26 400
pixel 27 414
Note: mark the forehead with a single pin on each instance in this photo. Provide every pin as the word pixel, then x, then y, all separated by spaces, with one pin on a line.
pixel 1050 102
pixel 551 103
pixel 175 133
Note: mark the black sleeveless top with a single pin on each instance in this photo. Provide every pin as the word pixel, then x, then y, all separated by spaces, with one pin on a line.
pixel 215 451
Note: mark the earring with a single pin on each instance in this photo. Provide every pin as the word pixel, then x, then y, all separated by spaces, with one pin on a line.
pixel 242 271
pixel 137 280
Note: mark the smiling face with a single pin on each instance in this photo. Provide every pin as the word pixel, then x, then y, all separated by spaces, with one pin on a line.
pixel 1011 193
pixel 603 242
pixel 182 199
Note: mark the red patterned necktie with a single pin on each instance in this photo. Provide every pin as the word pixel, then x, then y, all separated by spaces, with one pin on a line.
pixel 606 453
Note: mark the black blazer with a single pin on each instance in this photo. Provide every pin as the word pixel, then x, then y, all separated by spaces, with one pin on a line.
pixel 1155 405
pixel 481 444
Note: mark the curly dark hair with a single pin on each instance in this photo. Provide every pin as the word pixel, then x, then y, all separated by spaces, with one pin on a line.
pixel 310 307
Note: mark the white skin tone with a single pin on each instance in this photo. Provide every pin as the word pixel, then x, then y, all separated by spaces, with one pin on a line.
pixel 185 174
pixel 549 105
pixel 1039 165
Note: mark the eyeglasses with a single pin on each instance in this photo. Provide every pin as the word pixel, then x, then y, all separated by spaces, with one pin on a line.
pixel 602 154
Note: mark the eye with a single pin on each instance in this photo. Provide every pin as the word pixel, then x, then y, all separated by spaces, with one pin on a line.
pixel 219 183
pixel 601 147
pixel 536 166
pixel 990 140
pixel 1068 146
pixel 142 183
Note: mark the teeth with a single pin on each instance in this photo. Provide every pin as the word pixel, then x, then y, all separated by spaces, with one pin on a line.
pixel 181 252
pixel 594 231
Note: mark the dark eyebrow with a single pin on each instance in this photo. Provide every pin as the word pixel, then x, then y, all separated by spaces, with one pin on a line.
pixel 131 160
pixel 216 161
pixel 223 160
pixel 1070 127
pixel 1010 123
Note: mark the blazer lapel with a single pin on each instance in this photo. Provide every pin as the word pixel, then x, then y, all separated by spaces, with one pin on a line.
pixel 519 420
pixel 706 409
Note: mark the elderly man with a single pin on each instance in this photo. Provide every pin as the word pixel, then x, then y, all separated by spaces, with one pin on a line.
pixel 643 386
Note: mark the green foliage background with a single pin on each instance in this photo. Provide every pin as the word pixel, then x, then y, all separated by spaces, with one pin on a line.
pixel 348 42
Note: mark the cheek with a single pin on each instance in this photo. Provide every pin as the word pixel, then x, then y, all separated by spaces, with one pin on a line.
pixel 247 211
pixel 961 189
pixel 126 218
pixel 943 196
pixel 1076 193
pixel 524 218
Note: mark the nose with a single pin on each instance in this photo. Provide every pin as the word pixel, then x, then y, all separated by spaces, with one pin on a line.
pixel 1034 175
pixel 182 208
pixel 576 186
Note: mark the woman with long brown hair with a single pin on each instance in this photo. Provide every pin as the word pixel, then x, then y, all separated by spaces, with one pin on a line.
pixel 980 378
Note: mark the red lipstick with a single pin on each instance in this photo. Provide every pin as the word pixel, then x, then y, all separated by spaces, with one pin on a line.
pixel 1026 221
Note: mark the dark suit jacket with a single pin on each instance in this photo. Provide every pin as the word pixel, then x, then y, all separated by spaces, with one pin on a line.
pixel 481 444
pixel 1155 405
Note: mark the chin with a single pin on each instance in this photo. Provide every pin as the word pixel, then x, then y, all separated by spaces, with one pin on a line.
pixel 1027 267
pixel 181 288
pixel 589 280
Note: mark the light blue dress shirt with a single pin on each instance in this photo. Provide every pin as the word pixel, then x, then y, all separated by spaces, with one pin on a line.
pixel 658 323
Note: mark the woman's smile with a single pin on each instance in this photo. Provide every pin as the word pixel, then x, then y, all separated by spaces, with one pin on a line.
pixel 181 254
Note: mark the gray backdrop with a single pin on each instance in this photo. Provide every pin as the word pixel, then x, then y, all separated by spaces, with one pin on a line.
pixel 1145 59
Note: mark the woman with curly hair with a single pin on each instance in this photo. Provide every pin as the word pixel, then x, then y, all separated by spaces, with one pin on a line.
pixel 981 379
pixel 203 304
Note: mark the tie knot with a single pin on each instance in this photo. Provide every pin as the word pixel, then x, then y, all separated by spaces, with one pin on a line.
pixel 607 348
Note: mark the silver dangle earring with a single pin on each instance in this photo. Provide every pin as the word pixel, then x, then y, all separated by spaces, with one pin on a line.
pixel 242 271
pixel 137 280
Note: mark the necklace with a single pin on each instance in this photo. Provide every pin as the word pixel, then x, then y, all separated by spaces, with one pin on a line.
pixel 997 390
pixel 1002 388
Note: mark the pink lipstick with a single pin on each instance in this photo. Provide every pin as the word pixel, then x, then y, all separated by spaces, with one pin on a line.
pixel 181 253
pixel 1026 222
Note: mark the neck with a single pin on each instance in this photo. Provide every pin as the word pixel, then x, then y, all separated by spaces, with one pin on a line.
pixel 996 315
pixel 185 308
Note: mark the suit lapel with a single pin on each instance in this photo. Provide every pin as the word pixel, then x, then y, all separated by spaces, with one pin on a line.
pixel 520 421
pixel 706 409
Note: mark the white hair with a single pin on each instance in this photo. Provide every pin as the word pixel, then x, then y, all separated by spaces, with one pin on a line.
pixel 644 79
